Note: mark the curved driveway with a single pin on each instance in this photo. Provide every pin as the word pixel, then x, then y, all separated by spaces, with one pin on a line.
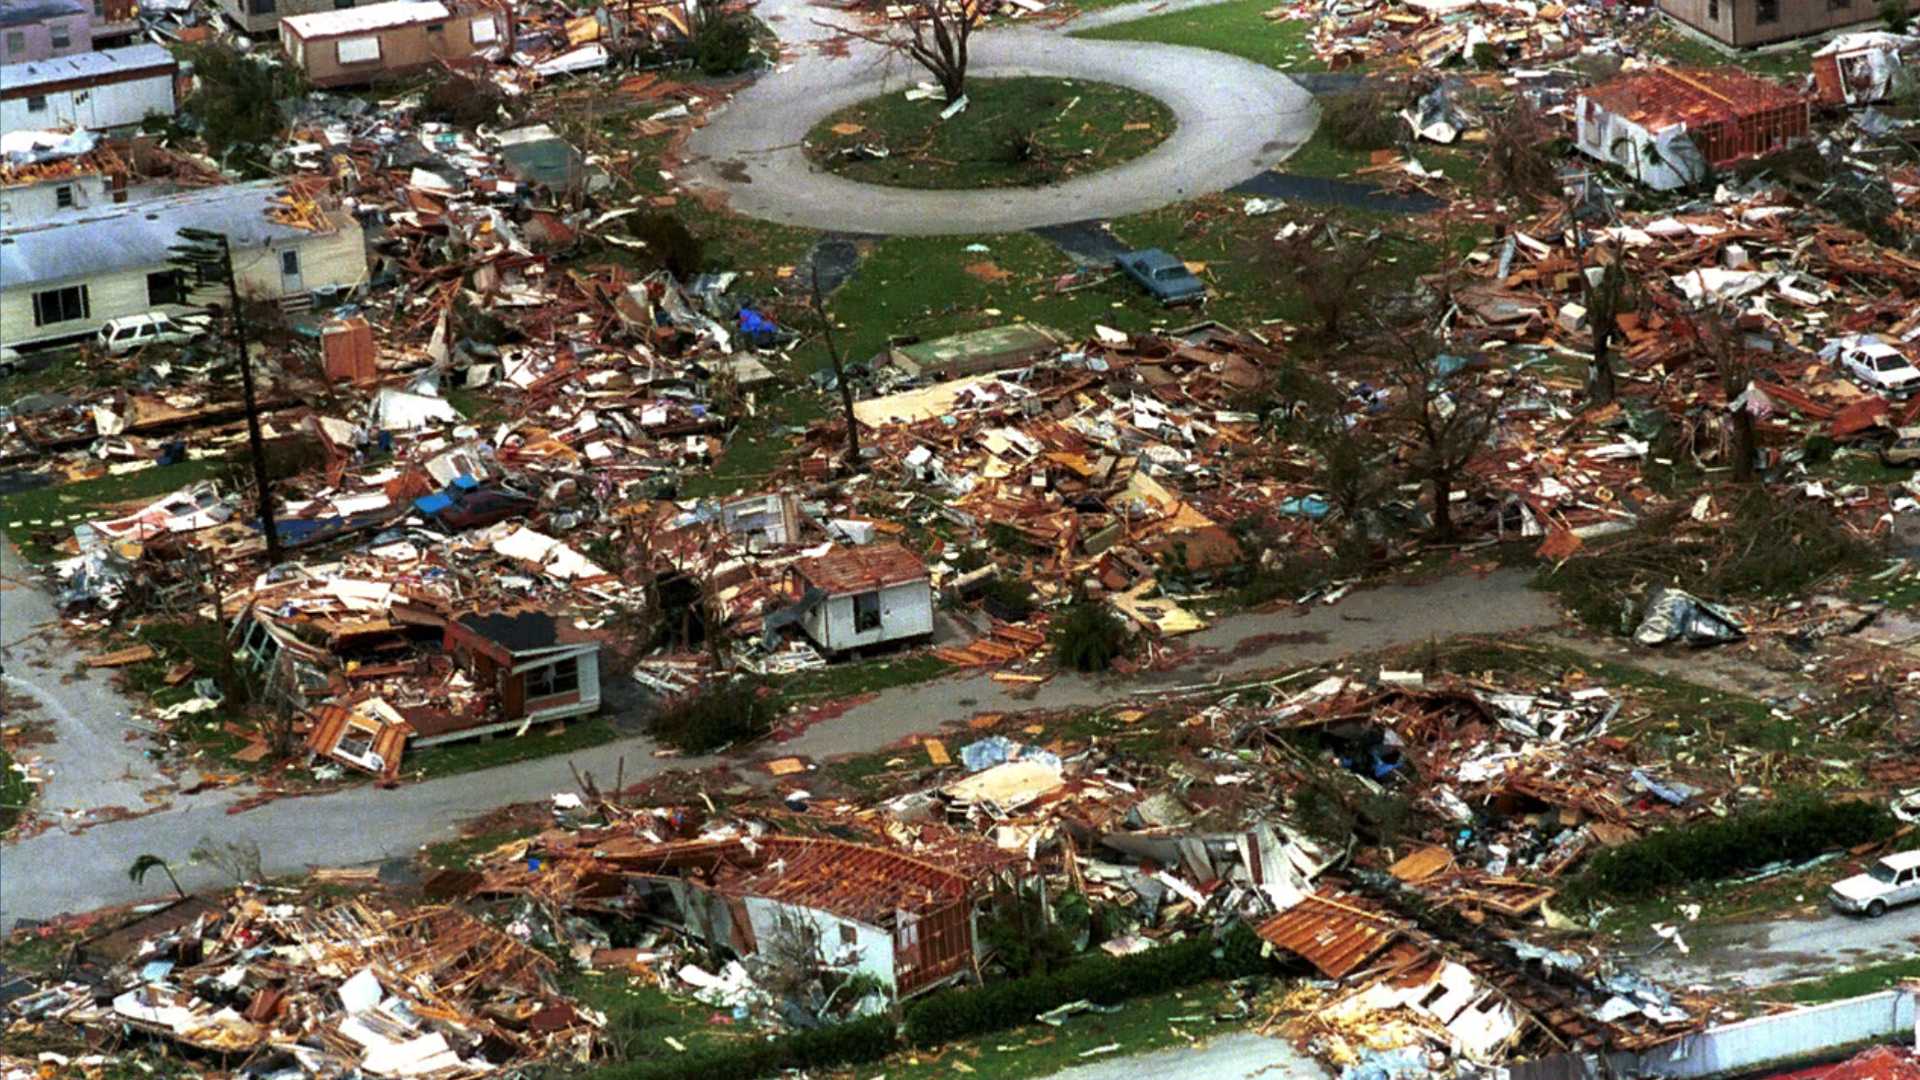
pixel 1235 118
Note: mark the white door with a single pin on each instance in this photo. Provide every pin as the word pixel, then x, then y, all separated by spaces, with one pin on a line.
pixel 290 282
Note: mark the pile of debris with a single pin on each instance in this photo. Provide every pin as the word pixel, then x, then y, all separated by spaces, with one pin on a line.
pixel 347 989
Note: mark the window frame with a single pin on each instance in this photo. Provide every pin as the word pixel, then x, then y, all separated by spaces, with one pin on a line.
pixel 36 103
pixel 1766 12
pixel 41 305
pixel 866 612
pixel 174 289
pixel 16 42
pixel 553 680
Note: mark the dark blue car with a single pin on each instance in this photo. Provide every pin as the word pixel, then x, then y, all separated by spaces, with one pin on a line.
pixel 1162 275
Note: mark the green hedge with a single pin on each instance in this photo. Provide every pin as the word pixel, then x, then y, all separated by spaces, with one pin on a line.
pixel 850 1043
pixel 1792 830
pixel 956 1014
pixel 1102 979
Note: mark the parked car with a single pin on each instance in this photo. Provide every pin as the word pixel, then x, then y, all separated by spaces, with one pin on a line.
pixel 1166 278
pixel 124 335
pixel 481 507
pixel 1903 450
pixel 1875 363
pixel 1891 881
pixel 9 360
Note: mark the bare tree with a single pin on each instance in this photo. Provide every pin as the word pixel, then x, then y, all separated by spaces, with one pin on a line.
pixel 1606 299
pixel 839 369
pixel 1735 368
pixel 1442 419
pixel 1328 266
pixel 933 34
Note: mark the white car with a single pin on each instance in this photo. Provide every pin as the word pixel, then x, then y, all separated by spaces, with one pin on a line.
pixel 123 335
pixel 1875 363
pixel 1888 883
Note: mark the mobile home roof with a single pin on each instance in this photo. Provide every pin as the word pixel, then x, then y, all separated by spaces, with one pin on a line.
pixel 365 20
pixel 133 235
pixel 16 79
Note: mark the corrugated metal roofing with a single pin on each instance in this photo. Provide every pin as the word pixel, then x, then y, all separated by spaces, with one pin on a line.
pixel 1330 934
pixel 89 65
pixel 1661 96
pixel 139 234
pixel 365 20
pixel 861 569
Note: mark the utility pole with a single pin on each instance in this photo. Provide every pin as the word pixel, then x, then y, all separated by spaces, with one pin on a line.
pixel 208 254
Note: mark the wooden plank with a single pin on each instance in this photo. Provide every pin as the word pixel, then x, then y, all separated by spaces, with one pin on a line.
pixel 937 752
pixel 122 657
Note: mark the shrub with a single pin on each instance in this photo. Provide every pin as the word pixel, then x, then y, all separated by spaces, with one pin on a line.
pixel 1604 586
pixel 1788 830
pixel 1089 637
pixel 235 102
pixel 1007 599
pixel 1359 120
pixel 1101 979
pixel 464 102
pixel 723 45
pixel 733 712
pixel 1896 14
pixel 851 1043
pixel 671 246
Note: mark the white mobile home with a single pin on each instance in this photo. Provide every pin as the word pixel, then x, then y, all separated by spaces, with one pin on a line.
pixel 113 88
pixel 861 596
pixel 64 279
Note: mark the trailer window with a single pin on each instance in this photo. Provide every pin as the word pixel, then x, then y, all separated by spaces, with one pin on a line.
pixel 60 305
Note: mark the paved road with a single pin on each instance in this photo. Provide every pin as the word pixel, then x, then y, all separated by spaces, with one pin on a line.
pixel 1745 956
pixel 1236 118
pixel 92 764
pixel 60 872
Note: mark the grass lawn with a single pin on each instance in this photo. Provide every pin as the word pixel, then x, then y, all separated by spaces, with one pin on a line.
pixel 1855 983
pixel 35 516
pixel 1023 132
pixel 1682 48
pixel 544 740
pixel 1176 1018
pixel 15 793
pixel 1239 27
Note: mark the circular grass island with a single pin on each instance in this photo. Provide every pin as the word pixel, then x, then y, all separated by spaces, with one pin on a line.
pixel 1019 132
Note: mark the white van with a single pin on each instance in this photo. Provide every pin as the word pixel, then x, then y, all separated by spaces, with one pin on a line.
pixel 123 335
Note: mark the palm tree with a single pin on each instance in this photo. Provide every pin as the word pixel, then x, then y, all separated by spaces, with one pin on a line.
pixel 137 873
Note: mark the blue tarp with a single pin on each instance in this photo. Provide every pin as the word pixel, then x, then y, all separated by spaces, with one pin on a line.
pixel 752 322
pixel 1313 506
pixel 464 482
pixel 432 504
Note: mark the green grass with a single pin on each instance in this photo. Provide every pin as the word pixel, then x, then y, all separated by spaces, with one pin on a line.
pixel 1238 27
pixel 541 740
pixel 1020 132
pixel 1847 984
pixel 1176 1018
pixel 15 793
pixel 39 519
pixel 845 680
pixel 1681 48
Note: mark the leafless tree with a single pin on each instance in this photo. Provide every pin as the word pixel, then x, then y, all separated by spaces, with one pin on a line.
pixel 1442 420
pixel 933 34
pixel 1606 299
pixel 839 369
pixel 1328 265
pixel 1720 341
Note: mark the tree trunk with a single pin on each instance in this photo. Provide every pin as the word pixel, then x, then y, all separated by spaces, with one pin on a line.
pixel 839 370
pixel 1442 506
pixel 1600 388
pixel 1743 446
